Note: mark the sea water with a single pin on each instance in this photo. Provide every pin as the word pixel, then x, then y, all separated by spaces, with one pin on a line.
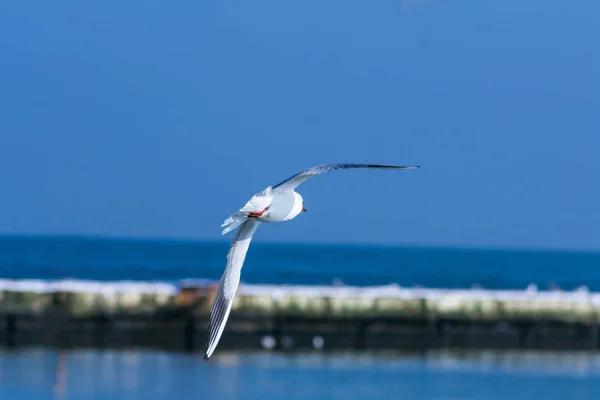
pixel 40 374
pixel 169 260
pixel 37 374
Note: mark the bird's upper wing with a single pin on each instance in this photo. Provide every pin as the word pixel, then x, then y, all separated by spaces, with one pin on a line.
pixel 295 180
pixel 228 285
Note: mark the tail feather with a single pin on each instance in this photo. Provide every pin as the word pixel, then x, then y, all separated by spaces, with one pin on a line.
pixel 233 222
pixel 258 202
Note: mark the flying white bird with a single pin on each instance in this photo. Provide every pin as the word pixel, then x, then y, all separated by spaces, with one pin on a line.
pixel 274 204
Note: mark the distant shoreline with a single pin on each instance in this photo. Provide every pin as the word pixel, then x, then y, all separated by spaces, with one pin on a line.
pixel 291 317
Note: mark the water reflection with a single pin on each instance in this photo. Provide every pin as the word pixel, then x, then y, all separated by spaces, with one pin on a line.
pixel 79 374
pixel 579 363
pixel 61 375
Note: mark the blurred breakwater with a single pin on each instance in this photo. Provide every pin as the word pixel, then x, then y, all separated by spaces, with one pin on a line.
pixel 174 316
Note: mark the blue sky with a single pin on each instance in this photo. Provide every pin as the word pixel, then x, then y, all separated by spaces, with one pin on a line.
pixel 161 119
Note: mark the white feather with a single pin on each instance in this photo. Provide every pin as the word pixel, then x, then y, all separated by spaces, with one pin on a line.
pixel 257 203
pixel 221 306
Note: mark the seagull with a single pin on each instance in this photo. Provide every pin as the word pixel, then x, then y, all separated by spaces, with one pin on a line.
pixel 277 203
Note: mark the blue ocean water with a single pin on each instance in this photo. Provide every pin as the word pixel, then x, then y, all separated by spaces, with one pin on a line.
pixel 168 260
pixel 40 374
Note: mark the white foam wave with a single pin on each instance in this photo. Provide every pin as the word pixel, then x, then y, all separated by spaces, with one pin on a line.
pixel 581 295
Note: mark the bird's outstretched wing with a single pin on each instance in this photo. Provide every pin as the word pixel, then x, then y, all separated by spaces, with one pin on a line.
pixel 295 180
pixel 228 285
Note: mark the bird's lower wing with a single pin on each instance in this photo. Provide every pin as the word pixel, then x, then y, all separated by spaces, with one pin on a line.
pixel 295 180
pixel 228 285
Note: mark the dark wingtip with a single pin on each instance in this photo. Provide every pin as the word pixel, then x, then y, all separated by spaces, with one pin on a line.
pixel 407 167
pixel 206 357
pixel 393 166
pixel 402 166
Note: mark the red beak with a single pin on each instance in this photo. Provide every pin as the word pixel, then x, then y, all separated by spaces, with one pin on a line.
pixel 303 209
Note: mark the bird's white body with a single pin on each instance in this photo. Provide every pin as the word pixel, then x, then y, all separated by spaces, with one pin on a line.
pixel 278 206
pixel 277 203
pixel 285 206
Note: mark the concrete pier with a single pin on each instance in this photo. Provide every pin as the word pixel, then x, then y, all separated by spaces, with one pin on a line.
pixel 175 316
